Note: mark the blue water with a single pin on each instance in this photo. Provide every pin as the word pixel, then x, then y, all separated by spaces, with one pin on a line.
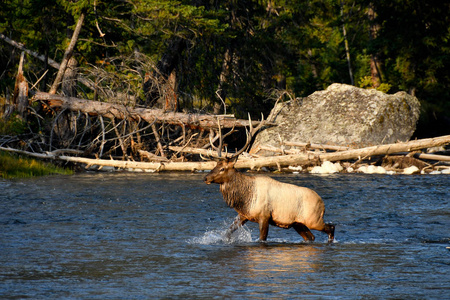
pixel 153 236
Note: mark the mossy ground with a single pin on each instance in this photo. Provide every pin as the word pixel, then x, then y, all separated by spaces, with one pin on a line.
pixel 15 166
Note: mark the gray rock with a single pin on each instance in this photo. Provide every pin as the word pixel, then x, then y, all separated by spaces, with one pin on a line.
pixel 344 115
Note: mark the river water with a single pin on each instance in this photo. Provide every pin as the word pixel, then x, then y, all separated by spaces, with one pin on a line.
pixel 153 236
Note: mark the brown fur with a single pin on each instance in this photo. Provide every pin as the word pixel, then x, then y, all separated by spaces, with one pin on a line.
pixel 265 201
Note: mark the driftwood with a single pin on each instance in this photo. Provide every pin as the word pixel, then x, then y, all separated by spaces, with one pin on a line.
pixel 151 166
pixel 432 156
pixel 316 146
pixel 151 157
pixel 267 150
pixel 299 159
pixel 243 162
pixel 275 150
pixel 119 111
pixel 199 151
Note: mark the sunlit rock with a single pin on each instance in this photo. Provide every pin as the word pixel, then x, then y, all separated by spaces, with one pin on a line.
pixel 372 169
pixel 344 115
pixel 327 167
pixel 295 168
pixel 411 170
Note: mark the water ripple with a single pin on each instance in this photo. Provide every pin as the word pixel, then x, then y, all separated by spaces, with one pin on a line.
pixel 141 236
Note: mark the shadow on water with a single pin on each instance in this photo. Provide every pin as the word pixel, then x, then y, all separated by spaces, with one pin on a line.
pixel 140 236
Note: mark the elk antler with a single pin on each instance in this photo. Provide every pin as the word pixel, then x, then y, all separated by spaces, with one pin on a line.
pixel 250 135
pixel 220 137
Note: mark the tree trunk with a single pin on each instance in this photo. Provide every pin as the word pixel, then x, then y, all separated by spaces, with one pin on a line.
pixel 375 63
pixel 220 106
pixel 314 71
pixel 65 122
pixel 170 94
pixel 119 111
pixel 20 98
pixel 69 84
pixel 67 55
pixel 347 48
pixel 154 83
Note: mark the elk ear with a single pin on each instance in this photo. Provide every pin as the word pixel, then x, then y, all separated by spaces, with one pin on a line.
pixel 231 161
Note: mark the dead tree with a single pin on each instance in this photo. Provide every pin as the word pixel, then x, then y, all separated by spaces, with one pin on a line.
pixel 67 54
pixel 20 98
pixel 163 76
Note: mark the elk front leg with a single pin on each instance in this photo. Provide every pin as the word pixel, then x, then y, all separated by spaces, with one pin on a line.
pixel 238 222
pixel 263 229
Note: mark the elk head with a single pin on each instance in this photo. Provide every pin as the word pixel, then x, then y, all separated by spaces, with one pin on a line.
pixel 224 169
pixel 222 172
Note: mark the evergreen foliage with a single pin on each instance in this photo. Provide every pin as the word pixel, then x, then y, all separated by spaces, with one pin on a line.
pixel 241 50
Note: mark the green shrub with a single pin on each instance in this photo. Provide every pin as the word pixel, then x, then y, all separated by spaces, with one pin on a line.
pixel 366 83
pixel 15 125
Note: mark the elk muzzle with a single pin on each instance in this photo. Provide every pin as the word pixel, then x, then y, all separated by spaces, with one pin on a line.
pixel 208 179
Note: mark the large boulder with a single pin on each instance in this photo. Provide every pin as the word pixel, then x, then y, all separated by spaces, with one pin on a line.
pixel 343 115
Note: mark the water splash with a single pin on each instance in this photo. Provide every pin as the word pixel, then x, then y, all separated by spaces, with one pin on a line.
pixel 219 236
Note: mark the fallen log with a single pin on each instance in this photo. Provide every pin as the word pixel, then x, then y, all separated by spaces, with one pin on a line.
pixel 277 150
pixel 151 166
pixel 204 152
pixel 317 146
pixel 432 156
pixel 268 150
pixel 299 159
pixel 119 111
pixel 152 157
pixel 245 163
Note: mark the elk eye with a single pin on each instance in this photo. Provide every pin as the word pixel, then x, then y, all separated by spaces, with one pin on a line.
pixel 222 169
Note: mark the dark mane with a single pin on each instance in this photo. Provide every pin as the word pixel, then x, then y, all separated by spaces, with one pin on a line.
pixel 238 192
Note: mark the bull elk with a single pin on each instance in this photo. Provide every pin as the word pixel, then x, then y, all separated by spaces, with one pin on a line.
pixel 265 201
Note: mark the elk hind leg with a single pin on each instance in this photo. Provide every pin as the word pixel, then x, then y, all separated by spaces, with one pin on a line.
pixel 304 231
pixel 329 229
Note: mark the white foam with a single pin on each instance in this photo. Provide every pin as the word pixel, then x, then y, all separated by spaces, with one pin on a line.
pixel 219 236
